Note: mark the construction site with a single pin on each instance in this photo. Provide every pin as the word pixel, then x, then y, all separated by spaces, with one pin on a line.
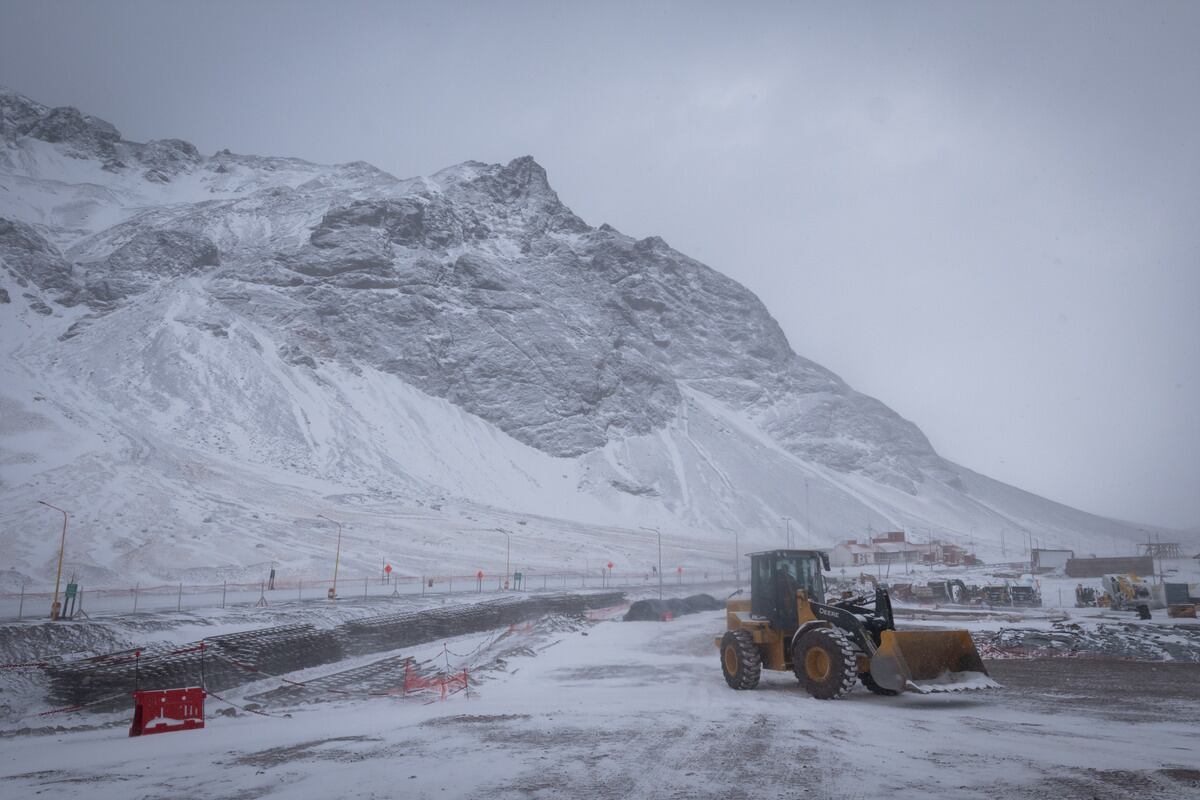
pixel 553 692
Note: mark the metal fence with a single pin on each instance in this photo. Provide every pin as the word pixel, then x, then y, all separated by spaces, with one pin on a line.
pixel 34 602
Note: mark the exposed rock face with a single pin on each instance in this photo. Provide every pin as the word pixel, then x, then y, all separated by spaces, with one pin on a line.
pixel 18 113
pixel 31 258
pixel 88 136
pixel 169 156
pixel 477 285
pixel 150 256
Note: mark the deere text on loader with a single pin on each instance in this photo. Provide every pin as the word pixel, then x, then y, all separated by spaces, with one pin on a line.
pixel 787 625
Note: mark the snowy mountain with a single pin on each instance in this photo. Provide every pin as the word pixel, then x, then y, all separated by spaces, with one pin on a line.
pixel 200 353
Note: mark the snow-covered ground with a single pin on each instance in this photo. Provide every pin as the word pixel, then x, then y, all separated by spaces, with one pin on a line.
pixel 640 710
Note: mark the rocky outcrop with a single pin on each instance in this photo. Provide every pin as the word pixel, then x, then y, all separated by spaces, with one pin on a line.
pixel 144 260
pixel 18 113
pixel 86 136
pixel 166 158
pixel 30 258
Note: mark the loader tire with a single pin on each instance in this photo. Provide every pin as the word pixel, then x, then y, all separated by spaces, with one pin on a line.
pixel 874 687
pixel 741 661
pixel 826 662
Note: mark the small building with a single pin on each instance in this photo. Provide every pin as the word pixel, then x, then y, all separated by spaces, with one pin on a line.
pixel 952 555
pixel 850 554
pixel 893 552
pixel 939 551
pixel 880 550
pixel 1050 560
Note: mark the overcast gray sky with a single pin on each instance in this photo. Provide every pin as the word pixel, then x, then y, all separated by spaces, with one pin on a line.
pixel 986 215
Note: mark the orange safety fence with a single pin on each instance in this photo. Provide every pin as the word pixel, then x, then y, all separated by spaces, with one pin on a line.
pixel 443 683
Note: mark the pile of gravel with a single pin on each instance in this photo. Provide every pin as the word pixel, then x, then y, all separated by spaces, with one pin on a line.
pixel 1123 640
pixel 654 610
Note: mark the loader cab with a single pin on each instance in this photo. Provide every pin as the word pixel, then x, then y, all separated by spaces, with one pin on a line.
pixel 775 575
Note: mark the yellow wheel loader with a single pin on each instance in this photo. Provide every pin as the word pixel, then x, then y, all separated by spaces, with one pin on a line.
pixel 787 625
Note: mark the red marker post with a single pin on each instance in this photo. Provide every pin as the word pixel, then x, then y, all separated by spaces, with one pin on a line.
pixel 479 581
pixel 679 570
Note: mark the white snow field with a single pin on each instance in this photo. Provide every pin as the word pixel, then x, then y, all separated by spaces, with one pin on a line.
pixel 640 710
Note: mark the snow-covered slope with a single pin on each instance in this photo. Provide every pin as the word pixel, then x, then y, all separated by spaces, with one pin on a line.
pixel 201 353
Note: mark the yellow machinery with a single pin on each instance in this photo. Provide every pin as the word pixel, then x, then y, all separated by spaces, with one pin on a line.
pixel 1127 592
pixel 786 624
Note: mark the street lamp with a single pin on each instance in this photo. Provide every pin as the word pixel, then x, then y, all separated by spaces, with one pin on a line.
pixel 787 521
pixel 507 549
pixel 337 556
pixel 737 558
pixel 1029 539
pixel 658 533
pixel 55 606
pixel 807 515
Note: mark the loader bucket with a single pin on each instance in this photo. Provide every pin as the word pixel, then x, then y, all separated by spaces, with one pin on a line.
pixel 929 661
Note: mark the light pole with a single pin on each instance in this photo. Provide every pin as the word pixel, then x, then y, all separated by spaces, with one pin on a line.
pixel 658 533
pixel 787 521
pixel 507 549
pixel 62 546
pixel 337 556
pixel 807 512
pixel 737 559
pixel 1029 538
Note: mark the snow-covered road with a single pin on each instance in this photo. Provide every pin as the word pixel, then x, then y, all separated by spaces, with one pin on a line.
pixel 639 710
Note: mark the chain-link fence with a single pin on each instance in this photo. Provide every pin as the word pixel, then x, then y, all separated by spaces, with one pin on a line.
pixel 33 602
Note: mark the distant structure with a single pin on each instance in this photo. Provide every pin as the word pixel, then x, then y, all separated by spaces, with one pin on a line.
pixel 1043 560
pixel 1161 549
pixel 894 548
pixel 939 551
pixel 1099 567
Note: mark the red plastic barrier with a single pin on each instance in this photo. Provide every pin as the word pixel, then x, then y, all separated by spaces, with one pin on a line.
pixel 166 710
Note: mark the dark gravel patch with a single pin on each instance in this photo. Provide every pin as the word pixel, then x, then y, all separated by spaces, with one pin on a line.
pixel 655 610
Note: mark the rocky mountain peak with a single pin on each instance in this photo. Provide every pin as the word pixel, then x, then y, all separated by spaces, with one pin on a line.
pixel 86 136
pixel 18 113
pixel 236 330
pixel 477 285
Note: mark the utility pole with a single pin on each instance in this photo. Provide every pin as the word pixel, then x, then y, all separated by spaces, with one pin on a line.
pixel 337 556
pixel 807 514
pixel 55 605
pixel 787 522
pixel 507 550
pixel 1150 550
pixel 737 559
pixel 658 533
